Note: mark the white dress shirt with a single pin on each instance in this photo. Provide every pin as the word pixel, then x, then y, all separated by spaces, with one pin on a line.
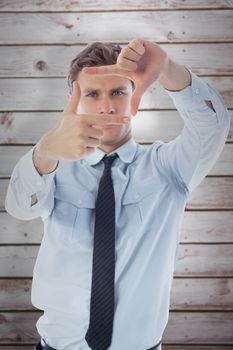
pixel 152 186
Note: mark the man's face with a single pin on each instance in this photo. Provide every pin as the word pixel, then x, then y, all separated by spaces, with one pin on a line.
pixel 102 94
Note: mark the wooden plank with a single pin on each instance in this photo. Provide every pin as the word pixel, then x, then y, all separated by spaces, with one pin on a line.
pixel 110 5
pixel 54 61
pixel 194 260
pixel 15 231
pixel 50 94
pixel 204 260
pixel 197 227
pixel 182 328
pixel 201 294
pixel 212 193
pixel 147 126
pixel 9 156
pixel 17 261
pixel 19 327
pixel 15 294
pixel 70 28
pixel 199 327
pixel 196 294
pixel 207 227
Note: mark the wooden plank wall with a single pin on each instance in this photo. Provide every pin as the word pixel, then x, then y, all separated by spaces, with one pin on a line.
pixel 38 39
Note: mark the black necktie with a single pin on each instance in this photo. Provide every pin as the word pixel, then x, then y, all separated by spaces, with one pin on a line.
pixel 99 333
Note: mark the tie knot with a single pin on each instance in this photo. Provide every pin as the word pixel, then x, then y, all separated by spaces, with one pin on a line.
pixel 108 160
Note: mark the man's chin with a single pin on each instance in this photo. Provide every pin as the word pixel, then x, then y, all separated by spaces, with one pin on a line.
pixel 108 142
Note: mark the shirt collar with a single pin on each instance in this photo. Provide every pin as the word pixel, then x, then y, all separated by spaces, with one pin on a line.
pixel 126 153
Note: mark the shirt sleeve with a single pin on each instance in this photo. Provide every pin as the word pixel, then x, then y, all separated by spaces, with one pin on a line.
pixel 26 181
pixel 190 156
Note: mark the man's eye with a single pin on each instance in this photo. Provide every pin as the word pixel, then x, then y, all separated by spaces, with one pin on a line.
pixel 91 94
pixel 119 91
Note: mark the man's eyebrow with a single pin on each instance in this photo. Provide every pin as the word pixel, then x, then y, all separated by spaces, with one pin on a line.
pixel 97 90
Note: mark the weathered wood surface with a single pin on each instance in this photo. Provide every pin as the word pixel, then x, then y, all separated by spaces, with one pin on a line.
pixel 54 61
pixel 9 156
pixel 50 94
pixel 68 28
pixel 110 5
pixel 194 260
pixel 207 196
pixel 147 126
pixel 34 60
pixel 183 328
pixel 207 294
pixel 197 227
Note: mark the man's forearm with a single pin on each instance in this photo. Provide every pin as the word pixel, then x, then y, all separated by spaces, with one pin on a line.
pixel 175 77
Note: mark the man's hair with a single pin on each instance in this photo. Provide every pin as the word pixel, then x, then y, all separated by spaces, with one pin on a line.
pixel 95 54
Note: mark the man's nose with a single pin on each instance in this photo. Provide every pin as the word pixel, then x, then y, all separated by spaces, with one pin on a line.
pixel 106 106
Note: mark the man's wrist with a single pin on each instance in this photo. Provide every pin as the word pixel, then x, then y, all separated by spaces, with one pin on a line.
pixel 43 164
pixel 175 77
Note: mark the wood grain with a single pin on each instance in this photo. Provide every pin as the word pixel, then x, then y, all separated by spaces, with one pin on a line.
pixel 22 128
pixel 53 61
pixel 110 5
pixel 50 94
pixel 34 62
pixel 68 28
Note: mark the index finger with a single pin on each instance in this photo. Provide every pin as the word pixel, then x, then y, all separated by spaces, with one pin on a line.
pixel 72 105
pixel 112 69
pixel 93 119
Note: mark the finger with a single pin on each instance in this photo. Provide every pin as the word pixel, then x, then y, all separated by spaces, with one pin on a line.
pixel 127 64
pixel 112 69
pixel 104 119
pixel 72 105
pixel 92 142
pixel 130 54
pixel 137 46
pixel 94 132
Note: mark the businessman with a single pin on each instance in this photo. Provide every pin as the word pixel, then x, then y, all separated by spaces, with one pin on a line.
pixel 112 209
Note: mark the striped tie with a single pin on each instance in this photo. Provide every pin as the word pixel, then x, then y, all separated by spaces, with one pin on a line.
pixel 99 333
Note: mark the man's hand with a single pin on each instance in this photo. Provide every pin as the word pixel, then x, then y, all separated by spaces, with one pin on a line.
pixel 141 61
pixel 75 135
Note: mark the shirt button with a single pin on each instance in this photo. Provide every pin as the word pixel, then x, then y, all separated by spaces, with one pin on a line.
pixel 39 183
pixel 79 201
pixel 136 195
pixel 197 91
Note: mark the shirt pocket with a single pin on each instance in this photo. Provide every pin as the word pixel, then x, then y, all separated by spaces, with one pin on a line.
pixel 73 215
pixel 137 202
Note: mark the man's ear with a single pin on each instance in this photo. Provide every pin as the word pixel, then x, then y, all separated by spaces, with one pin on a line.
pixel 68 95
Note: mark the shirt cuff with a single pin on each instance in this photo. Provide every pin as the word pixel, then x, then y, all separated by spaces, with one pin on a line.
pixel 32 181
pixel 193 95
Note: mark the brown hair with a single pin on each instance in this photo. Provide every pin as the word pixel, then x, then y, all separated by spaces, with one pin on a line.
pixel 95 54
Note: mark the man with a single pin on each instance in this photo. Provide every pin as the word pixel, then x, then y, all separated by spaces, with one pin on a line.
pixel 92 298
